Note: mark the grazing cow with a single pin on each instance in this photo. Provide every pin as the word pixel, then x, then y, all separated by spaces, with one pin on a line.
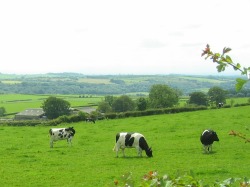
pixel 220 105
pixel 90 120
pixel 61 134
pixel 207 138
pixel 132 140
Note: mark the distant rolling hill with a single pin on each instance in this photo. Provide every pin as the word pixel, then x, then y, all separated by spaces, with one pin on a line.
pixel 75 83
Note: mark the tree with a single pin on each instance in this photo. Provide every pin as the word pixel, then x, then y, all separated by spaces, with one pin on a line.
pixel 162 96
pixel 55 107
pixel 109 99
pixel 123 103
pixel 2 111
pixel 217 95
pixel 223 61
pixel 104 107
pixel 198 98
pixel 141 104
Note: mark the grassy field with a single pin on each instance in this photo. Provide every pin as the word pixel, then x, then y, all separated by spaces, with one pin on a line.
pixel 27 160
pixel 19 102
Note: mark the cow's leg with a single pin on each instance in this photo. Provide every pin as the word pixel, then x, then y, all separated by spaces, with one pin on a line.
pixel 205 148
pixel 116 149
pixel 123 152
pixel 69 140
pixel 139 150
pixel 210 148
pixel 51 143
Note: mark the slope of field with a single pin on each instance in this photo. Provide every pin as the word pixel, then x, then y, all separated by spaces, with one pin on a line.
pixel 27 160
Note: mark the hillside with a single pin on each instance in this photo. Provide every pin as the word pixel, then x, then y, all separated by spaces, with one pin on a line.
pixel 74 83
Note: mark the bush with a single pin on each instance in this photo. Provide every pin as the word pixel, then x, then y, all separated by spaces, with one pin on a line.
pixel 180 179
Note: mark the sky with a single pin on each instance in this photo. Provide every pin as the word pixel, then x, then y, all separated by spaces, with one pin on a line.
pixel 134 37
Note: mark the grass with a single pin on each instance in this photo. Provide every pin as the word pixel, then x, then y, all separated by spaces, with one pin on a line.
pixel 19 102
pixel 237 100
pixel 27 160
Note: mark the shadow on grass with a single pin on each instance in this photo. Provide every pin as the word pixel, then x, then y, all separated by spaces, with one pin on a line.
pixel 133 157
pixel 210 153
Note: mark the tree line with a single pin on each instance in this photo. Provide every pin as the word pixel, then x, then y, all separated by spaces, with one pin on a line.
pixel 69 84
pixel 160 96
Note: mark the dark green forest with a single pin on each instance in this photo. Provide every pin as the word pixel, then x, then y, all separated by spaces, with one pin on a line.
pixel 74 83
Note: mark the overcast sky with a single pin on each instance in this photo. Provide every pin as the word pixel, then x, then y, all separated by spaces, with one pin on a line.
pixel 121 37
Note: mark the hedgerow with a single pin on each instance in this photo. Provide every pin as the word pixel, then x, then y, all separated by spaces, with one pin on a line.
pixel 81 116
pixel 153 112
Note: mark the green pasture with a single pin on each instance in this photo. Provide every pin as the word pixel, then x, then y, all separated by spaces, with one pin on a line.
pixel 203 79
pixel 237 100
pixel 11 82
pixel 95 80
pixel 18 102
pixel 14 103
pixel 27 160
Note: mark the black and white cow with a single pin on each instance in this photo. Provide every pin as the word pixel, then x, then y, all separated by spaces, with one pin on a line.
pixel 61 134
pixel 220 105
pixel 132 140
pixel 207 138
pixel 90 120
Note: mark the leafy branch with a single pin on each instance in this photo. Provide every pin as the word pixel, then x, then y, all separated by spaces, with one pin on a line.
pixel 223 60
pixel 240 135
pixel 152 179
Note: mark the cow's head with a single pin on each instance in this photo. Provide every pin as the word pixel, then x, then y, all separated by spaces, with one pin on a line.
pixel 70 130
pixel 214 136
pixel 149 152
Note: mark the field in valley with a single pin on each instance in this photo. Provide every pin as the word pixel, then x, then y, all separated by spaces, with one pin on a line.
pixel 27 160
pixel 14 103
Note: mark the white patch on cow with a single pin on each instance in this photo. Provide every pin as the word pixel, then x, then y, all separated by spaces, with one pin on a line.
pixel 61 134
pixel 205 132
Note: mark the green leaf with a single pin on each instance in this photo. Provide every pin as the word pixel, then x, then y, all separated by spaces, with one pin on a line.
pixel 220 67
pixel 228 59
pixel 240 83
pixel 238 66
pixel 226 50
pixel 217 55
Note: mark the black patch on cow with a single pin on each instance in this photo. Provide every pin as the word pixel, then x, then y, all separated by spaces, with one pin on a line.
pixel 129 140
pixel 144 146
pixel 61 135
pixel 61 130
pixel 208 137
pixel 70 130
pixel 117 137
